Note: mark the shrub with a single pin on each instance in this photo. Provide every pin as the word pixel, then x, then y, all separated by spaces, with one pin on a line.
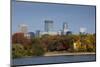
pixel 38 50
pixel 17 51
pixel 90 48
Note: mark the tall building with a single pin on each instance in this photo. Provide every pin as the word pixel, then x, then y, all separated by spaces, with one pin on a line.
pixel 65 28
pixel 38 33
pixel 32 34
pixel 23 28
pixel 48 26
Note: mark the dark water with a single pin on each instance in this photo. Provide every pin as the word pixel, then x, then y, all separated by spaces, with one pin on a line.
pixel 53 59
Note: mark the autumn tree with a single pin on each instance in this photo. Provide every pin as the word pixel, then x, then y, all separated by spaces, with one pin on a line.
pixel 21 39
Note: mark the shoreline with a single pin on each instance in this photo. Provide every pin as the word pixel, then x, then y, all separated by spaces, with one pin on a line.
pixel 67 54
pixel 48 54
pixel 51 59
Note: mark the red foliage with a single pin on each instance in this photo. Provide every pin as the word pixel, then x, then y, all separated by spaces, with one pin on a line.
pixel 21 39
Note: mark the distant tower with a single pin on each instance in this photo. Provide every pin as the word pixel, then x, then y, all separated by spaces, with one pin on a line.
pixel 37 33
pixel 32 34
pixel 23 28
pixel 65 28
pixel 48 25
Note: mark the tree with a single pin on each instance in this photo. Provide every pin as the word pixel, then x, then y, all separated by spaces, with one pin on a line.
pixel 38 50
pixel 37 47
pixel 18 51
pixel 19 38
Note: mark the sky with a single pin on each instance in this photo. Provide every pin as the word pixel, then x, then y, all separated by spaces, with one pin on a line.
pixel 34 14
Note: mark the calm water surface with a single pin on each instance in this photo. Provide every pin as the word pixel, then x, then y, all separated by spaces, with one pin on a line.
pixel 53 59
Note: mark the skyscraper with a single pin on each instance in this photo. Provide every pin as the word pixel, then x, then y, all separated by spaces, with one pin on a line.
pixel 65 28
pixel 48 26
pixel 23 28
pixel 37 33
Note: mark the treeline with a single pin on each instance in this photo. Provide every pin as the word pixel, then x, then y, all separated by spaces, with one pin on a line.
pixel 38 46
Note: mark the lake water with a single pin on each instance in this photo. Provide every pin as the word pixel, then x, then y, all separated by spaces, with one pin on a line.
pixel 53 59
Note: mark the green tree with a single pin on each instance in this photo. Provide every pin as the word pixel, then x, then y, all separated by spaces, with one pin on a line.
pixel 37 47
pixel 18 51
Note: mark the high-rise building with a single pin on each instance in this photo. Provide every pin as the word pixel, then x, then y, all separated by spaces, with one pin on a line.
pixel 23 28
pixel 32 34
pixel 65 28
pixel 38 34
pixel 48 25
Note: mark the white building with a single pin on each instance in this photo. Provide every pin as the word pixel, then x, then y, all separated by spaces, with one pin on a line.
pixel 23 28
pixel 65 28
pixel 49 33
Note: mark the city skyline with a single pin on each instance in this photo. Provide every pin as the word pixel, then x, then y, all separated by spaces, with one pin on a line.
pixel 34 15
